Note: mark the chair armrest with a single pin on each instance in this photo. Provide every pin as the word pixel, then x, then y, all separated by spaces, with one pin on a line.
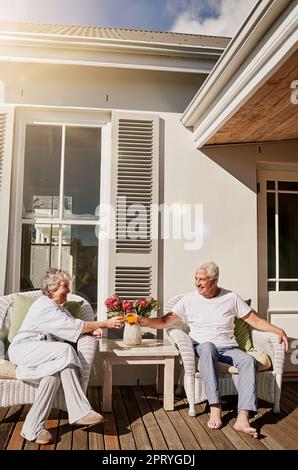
pixel 269 343
pixel 185 348
pixel 86 348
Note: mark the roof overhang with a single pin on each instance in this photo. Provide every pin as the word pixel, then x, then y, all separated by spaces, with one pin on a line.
pixel 261 59
pixel 44 48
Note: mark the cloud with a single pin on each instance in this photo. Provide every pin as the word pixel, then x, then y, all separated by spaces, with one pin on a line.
pixel 212 17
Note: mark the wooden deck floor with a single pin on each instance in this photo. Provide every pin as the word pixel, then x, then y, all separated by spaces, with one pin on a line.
pixel 138 422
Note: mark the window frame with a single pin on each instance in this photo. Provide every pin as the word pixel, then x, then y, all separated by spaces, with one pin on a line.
pixel 74 118
pixel 271 301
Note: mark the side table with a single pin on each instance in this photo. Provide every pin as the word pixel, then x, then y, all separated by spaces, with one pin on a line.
pixel 152 351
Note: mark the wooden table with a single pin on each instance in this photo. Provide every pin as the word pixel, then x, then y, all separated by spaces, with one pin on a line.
pixel 152 351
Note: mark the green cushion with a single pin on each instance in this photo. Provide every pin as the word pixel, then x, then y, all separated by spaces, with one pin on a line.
pixel 74 307
pixel 21 306
pixel 242 333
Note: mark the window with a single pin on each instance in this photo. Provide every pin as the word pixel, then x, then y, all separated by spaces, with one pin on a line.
pixel 282 235
pixel 61 191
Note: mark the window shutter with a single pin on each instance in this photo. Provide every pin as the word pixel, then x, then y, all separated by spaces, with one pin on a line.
pixel 135 175
pixel 6 135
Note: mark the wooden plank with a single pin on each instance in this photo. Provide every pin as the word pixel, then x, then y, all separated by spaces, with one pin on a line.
pixel 140 435
pixel 184 432
pixel 52 425
pixel 156 437
pixel 123 423
pixel 7 425
pixel 198 430
pixel 111 439
pixel 80 438
pixel 270 436
pixel 16 441
pixel 235 438
pixel 64 437
pixel 95 433
pixel 169 432
pixel 216 435
pixel 254 444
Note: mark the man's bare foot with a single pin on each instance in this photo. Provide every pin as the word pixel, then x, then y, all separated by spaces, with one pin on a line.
pixel 215 421
pixel 242 425
pixel 252 432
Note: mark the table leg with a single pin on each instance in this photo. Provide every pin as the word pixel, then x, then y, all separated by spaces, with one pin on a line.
pixel 107 386
pixel 160 378
pixel 168 397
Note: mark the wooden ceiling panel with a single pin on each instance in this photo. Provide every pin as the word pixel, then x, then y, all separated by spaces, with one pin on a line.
pixel 268 115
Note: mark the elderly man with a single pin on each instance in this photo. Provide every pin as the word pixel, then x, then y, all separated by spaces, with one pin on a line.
pixel 209 312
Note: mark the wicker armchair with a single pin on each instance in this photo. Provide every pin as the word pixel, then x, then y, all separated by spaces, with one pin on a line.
pixel 17 392
pixel 268 381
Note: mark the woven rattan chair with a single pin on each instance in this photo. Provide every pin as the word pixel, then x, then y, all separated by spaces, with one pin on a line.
pixel 268 381
pixel 17 392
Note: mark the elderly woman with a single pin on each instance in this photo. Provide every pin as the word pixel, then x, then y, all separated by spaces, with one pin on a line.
pixel 41 357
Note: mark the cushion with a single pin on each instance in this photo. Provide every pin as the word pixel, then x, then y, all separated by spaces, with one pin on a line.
pixel 21 306
pixel 7 370
pixel 242 333
pixel 263 362
pixel 262 358
pixel 74 307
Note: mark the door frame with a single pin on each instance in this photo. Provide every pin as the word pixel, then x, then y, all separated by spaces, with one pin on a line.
pixel 263 293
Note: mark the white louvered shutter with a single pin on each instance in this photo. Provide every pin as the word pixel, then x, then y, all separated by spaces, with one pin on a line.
pixel 135 175
pixel 6 135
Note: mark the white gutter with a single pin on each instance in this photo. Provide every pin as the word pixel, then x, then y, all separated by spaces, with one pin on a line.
pixel 255 52
pixel 28 47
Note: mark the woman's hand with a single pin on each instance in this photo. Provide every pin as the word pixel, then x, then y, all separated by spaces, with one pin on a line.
pixel 115 322
pixel 98 333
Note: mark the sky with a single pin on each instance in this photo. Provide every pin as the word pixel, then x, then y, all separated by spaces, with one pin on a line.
pixel 210 17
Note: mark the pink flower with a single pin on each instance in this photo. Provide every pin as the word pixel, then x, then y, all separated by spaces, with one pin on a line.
pixel 127 305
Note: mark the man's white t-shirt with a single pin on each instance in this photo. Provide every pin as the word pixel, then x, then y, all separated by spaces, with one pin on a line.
pixel 212 319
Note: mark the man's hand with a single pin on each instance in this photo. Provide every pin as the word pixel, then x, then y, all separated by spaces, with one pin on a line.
pixel 115 322
pixel 283 339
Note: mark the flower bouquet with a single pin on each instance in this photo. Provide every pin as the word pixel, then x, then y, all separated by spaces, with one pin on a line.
pixel 130 310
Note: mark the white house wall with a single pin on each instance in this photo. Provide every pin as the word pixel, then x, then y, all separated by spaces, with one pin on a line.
pixel 229 217
pixel 89 87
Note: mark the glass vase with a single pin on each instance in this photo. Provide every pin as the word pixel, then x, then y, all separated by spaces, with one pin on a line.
pixel 132 334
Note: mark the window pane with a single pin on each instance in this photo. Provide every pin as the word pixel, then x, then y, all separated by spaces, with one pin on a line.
pixel 286 286
pixel 82 172
pixel 39 250
pixel 42 171
pixel 288 235
pixel 82 243
pixel 42 246
pixel 270 184
pixel 271 234
pixel 271 285
pixel 288 185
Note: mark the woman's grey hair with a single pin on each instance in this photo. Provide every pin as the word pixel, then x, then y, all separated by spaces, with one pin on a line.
pixel 52 278
pixel 210 267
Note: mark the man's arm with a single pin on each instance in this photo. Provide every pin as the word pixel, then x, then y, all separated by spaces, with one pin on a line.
pixel 263 325
pixel 159 322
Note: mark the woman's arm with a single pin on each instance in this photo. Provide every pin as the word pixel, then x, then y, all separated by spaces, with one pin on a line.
pixel 114 322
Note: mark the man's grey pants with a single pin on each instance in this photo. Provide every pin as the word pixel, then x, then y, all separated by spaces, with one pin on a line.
pixel 210 355
pixel 76 402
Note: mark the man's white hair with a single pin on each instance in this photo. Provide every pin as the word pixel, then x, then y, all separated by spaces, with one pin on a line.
pixel 210 267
